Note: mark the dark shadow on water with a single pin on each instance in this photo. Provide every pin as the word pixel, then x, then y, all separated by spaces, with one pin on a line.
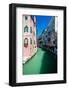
pixel 49 63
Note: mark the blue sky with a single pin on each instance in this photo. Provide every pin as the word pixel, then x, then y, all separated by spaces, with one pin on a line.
pixel 42 23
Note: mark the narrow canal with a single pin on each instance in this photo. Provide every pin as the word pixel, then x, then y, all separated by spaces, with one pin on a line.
pixel 43 62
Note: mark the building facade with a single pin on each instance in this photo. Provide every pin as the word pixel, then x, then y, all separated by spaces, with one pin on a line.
pixel 48 38
pixel 29 37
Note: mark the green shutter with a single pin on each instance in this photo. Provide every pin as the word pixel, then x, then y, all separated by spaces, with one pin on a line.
pixel 30 41
pixel 30 29
pixel 26 17
pixel 25 29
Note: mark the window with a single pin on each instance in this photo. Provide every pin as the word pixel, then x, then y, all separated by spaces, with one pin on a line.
pixel 26 17
pixel 46 36
pixel 49 33
pixel 54 42
pixel 35 46
pixel 25 29
pixel 25 42
pixel 30 29
pixel 49 39
pixel 30 41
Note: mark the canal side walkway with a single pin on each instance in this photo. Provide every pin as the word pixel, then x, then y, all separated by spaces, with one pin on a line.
pixel 43 62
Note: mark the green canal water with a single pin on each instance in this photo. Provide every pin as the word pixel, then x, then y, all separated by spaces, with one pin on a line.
pixel 43 62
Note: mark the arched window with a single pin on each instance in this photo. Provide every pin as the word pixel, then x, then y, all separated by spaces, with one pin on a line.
pixel 49 39
pixel 25 29
pixel 25 42
pixel 30 29
pixel 30 41
pixel 26 17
